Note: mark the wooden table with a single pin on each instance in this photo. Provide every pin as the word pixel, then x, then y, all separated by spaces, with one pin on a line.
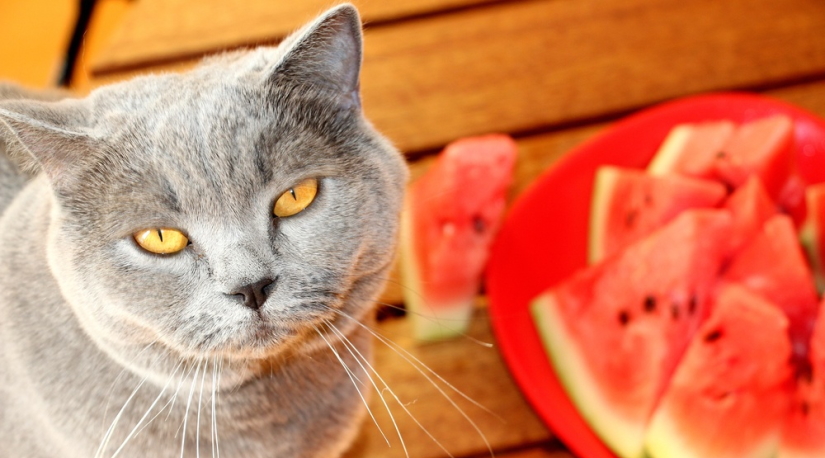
pixel 552 73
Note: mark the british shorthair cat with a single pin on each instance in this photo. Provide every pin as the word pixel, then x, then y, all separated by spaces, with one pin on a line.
pixel 189 262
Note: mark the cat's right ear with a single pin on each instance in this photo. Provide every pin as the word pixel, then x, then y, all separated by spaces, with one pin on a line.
pixel 326 53
pixel 45 136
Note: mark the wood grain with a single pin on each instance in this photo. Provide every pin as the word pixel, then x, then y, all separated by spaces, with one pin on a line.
pixel 165 30
pixel 525 66
pixel 473 368
pixel 530 66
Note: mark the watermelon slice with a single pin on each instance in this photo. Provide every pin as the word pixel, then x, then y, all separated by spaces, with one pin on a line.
pixel 616 330
pixel 773 265
pixel 692 149
pixel 813 232
pixel 720 150
pixel 750 206
pixel 451 215
pixel 628 204
pixel 729 394
pixel 803 434
pixel 763 148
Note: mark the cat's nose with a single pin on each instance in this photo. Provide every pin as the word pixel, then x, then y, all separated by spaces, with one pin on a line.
pixel 254 294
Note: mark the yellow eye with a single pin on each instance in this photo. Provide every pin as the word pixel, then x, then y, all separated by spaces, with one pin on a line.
pixel 296 198
pixel 161 240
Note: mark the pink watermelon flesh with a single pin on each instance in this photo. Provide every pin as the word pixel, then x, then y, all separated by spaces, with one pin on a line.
pixel 629 204
pixel 763 148
pixel 450 218
pixel 616 330
pixel 692 149
pixel 813 232
pixel 729 394
pixel 750 206
pixel 791 200
pixel 773 265
pixel 803 433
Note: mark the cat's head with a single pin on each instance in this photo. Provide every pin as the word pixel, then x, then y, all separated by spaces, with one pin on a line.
pixel 276 199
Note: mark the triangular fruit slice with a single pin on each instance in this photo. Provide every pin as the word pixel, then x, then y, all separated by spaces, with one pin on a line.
pixel 729 394
pixel 615 331
pixel 773 265
pixel 628 204
pixel 803 435
pixel 813 231
pixel 764 148
pixel 750 206
pixel 450 217
pixel 692 149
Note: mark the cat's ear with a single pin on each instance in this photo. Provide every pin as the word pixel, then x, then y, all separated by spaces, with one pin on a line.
pixel 45 136
pixel 326 52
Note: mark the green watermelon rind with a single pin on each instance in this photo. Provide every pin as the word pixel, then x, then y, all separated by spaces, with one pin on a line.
pixel 430 321
pixel 603 184
pixel 664 441
pixel 620 434
pixel 809 236
pixel 667 155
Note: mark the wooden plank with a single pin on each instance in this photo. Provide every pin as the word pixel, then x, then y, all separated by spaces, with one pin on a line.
pixel 524 66
pixel 529 66
pixel 475 369
pixel 546 451
pixel 164 30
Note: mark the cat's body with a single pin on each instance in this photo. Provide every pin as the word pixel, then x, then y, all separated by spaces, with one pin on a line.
pixel 103 343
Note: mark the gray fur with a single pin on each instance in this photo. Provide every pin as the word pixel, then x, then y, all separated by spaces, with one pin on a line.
pixel 86 315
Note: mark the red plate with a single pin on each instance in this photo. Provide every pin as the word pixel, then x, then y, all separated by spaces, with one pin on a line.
pixel 544 237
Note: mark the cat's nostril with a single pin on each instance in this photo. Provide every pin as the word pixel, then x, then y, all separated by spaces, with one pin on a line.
pixel 254 294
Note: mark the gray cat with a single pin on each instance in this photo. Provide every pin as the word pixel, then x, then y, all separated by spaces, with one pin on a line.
pixel 189 262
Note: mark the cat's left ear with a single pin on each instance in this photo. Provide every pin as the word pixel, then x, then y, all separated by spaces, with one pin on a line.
pixel 326 52
pixel 46 136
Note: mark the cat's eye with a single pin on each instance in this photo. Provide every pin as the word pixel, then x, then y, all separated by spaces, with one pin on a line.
pixel 161 240
pixel 296 198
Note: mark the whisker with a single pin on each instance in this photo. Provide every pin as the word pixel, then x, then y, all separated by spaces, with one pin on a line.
pixel 170 401
pixel 353 379
pixel 119 375
pixel 418 365
pixel 188 404
pixel 198 423
pixel 403 406
pixel 217 440
pixel 380 392
pixel 111 429
pixel 148 411
pixel 214 429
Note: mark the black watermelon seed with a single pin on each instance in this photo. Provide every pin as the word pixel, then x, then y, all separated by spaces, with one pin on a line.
pixel 478 224
pixel 674 311
pixel 650 304
pixel 624 318
pixel 713 336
